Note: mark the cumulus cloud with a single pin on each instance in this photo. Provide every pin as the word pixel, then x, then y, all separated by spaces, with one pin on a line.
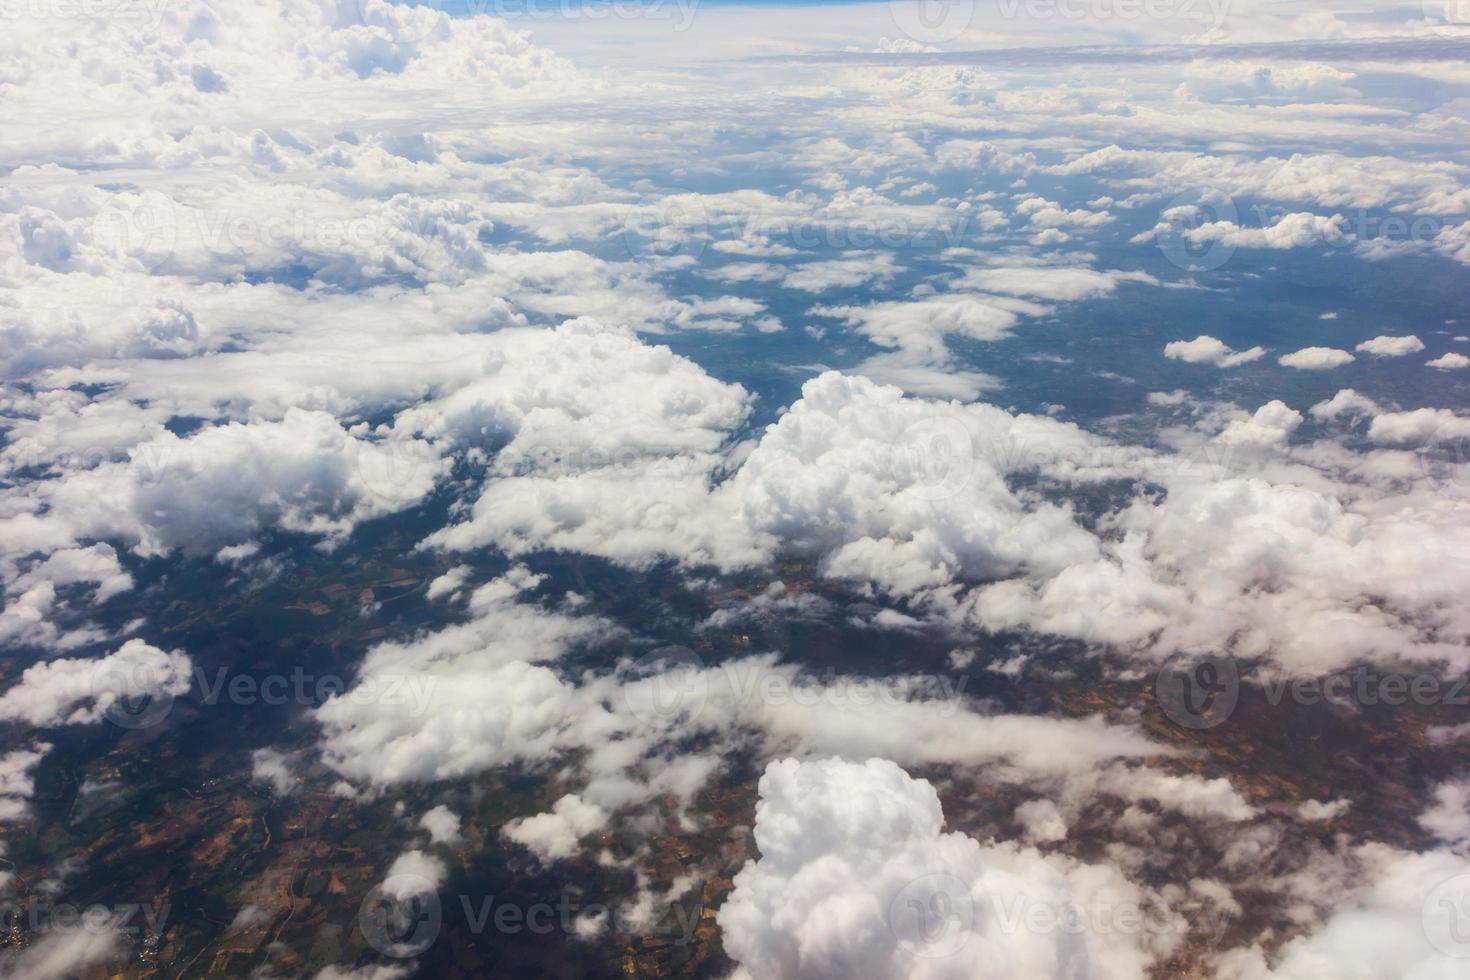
pixel 271 766
pixel 375 972
pixel 1415 427
pixel 17 784
pixel 1205 349
pixel 857 876
pixel 1315 359
pixel 1450 362
pixel 1386 346
pixel 1318 810
pixel 442 824
pixel 1448 818
pixel 81 692
pixel 225 483
pixel 62 954
pixel 556 834
pixel 1041 822
pixel 414 873
pixel 1401 923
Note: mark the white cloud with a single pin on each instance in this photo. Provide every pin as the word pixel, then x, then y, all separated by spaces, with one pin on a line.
pixel 556 834
pixel 1420 426
pixel 1391 926
pixel 80 692
pixel 449 583
pixel 223 484
pixel 414 873
pixel 818 277
pixel 1391 346
pixel 1315 359
pixel 442 824
pixel 271 766
pixel 1450 362
pixel 1448 818
pixel 1318 810
pixel 1205 349
pixel 16 782
pixel 375 972
pixel 1291 231
pixel 850 855
pixel 1041 822
pixel 62 954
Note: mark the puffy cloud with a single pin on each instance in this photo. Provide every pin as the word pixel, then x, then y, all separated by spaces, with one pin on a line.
pixel 1420 426
pixel 610 446
pixel 556 834
pixel 81 692
pixel 414 873
pixel 915 497
pixel 1347 401
pixel 1270 569
pixel 63 953
pixel 1049 282
pixel 1041 213
pixel 1218 79
pixel 1317 810
pixel 1315 359
pixel 375 972
pixel 16 782
pixel 818 277
pixel 448 584
pixel 1400 923
pixel 1205 349
pixel 1041 822
pixel 1391 346
pixel 1450 362
pixel 271 766
pixel 906 491
pixel 856 876
pixel 1330 180
pixel 442 824
pixel 223 484
pixel 461 700
pixel 1449 816
pixel 1269 428
pixel 922 324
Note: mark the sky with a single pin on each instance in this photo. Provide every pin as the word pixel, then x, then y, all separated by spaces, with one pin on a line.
pixel 1132 329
